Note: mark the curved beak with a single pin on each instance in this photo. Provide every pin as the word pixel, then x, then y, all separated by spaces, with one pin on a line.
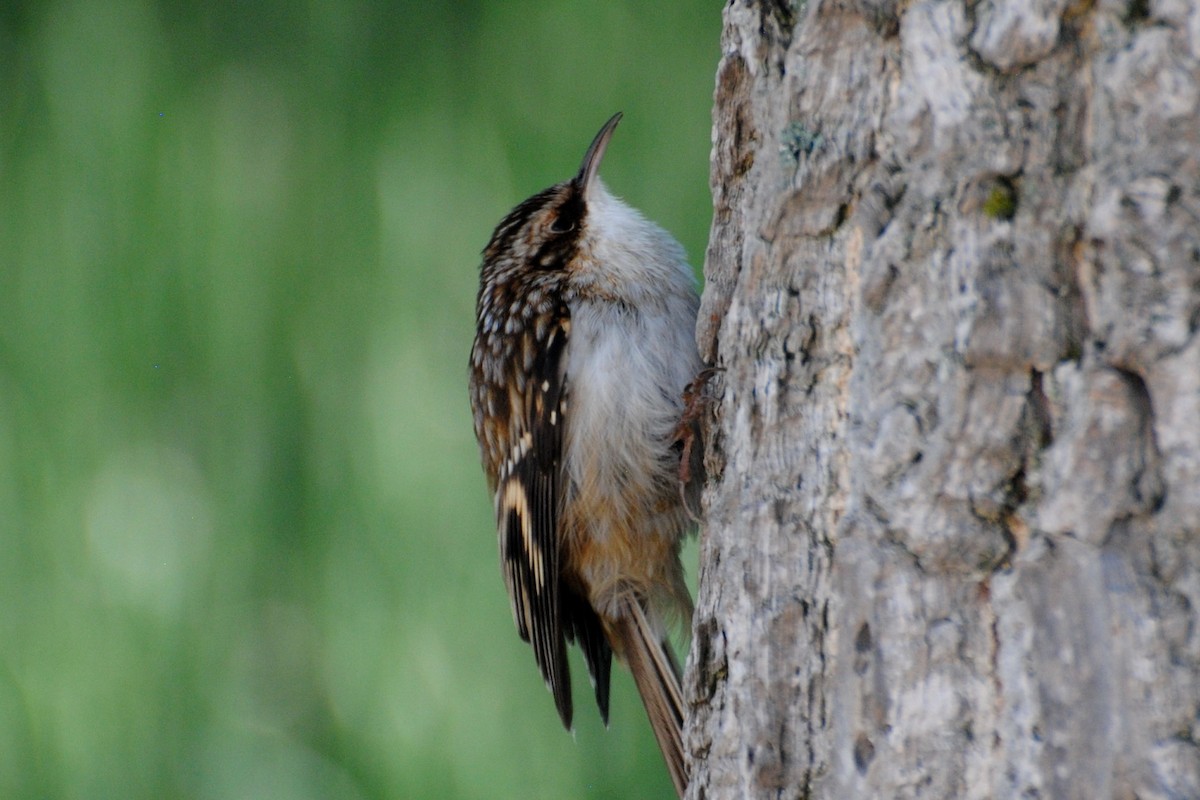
pixel 591 160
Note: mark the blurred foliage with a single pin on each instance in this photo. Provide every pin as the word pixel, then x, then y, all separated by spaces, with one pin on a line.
pixel 245 546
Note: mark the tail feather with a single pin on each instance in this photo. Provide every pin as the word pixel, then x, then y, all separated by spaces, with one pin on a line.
pixel 656 674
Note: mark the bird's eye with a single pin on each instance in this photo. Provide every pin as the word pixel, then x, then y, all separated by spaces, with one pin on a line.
pixel 568 214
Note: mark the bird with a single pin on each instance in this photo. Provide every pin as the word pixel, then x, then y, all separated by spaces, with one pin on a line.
pixel 584 345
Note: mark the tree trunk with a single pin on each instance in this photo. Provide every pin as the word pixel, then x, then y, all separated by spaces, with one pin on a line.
pixel 951 541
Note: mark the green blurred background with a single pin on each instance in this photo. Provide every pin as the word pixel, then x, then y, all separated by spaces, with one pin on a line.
pixel 245 545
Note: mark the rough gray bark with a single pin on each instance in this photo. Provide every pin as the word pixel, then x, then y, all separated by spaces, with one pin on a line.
pixel 952 543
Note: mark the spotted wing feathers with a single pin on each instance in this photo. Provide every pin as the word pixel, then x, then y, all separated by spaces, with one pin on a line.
pixel 528 498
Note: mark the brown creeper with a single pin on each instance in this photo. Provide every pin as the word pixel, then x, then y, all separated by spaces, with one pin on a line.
pixel 584 343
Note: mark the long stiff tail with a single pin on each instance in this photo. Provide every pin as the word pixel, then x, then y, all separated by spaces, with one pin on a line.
pixel 656 674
